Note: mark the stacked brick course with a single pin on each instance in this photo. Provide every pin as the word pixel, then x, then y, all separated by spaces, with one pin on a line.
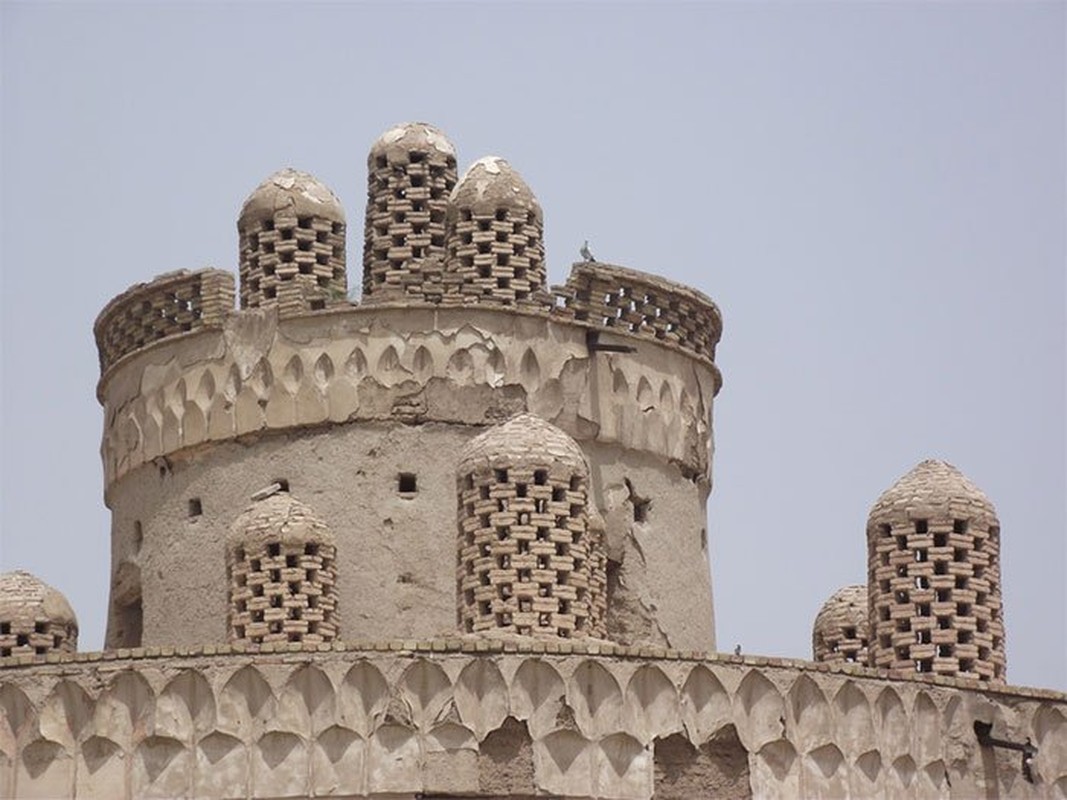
pixel 35 619
pixel 411 172
pixel 841 629
pixel 633 302
pixel 933 549
pixel 174 303
pixel 529 562
pixel 292 245
pixel 282 569
pixel 495 239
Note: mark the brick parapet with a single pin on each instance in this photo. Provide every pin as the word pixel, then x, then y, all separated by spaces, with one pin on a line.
pixel 169 305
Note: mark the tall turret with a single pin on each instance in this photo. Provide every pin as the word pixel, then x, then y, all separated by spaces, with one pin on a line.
pixel 292 244
pixel 933 560
pixel 496 236
pixel 411 171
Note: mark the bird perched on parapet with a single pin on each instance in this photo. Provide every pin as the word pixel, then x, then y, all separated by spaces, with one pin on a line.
pixel 585 252
pixel 737 650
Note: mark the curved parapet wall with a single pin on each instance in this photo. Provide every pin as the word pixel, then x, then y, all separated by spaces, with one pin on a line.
pixel 169 305
pixel 499 719
pixel 626 300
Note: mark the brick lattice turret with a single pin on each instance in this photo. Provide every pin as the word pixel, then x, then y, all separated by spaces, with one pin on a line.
pixel 496 237
pixel 933 557
pixel 411 172
pixel 282 566
pixel 292 245
pixel 529 562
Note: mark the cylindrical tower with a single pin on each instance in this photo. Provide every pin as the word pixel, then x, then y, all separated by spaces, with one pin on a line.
pixel 841 628
pixel 933 560
pixel 411 171
pixel 292 250
pixel 281 564
pixel 34 617
pixel 495 236
pixel 527 558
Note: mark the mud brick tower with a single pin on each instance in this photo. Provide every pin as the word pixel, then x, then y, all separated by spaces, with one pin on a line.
pixel 451 541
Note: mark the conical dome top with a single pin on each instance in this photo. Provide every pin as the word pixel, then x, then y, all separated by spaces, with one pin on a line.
pixel 400 141
pixel 490 184
pixel 294 192
pixel 841 628
pixel 524 438
pixel 936 487
pixel 847 603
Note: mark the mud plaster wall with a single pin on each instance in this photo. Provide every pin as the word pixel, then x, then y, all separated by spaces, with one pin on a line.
pixel 433 719
pixel 396 551
pixel 214 417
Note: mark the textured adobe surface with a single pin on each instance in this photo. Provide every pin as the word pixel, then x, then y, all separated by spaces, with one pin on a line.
pixel 933 549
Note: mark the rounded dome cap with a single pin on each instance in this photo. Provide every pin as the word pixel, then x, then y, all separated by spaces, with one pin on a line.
pixel 397 142
pixel 491 183
pixel 934 486
pixel 278 518
pixel 34 615
pixel 523 438
pixel 847 607
pixel 295 192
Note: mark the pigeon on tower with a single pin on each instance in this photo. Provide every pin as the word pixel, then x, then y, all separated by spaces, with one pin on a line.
pixel 585 252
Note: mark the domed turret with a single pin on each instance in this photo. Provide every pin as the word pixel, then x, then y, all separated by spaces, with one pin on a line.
pixel 496 236
pixel 530 563
pixel 292 232
pixel 281 561
pixel 411 171
pixel 840 631
pixel 933 550
pixel 34 617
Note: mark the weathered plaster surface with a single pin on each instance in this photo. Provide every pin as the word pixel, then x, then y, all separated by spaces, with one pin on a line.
pixel 401 718
pixel 339 405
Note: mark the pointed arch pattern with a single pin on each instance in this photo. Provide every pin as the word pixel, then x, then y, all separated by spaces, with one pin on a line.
pixel 259 374
pixel 354 722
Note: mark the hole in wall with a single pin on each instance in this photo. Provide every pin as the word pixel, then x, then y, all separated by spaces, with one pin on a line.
pixel 196 508
pixel 406 483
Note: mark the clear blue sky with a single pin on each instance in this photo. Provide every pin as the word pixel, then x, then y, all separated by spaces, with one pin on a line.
pixel 874 193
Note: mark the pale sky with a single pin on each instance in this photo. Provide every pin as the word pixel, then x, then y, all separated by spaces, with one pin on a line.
pixel 873 193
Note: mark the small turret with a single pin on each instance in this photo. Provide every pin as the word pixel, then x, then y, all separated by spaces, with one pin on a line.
pixel 496 236
pixel 841 629
pixel 282 566
pixel 933 560
pixel 292 233
pixel 34 617
pixel 529 560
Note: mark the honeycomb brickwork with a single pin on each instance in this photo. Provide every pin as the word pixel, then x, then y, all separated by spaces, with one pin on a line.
pixel 283 575
pixel 35 619
pixel 495 239
pixel 529 562
pixel 411 172
pixel 933 544
pixel 174 303
pixel 633 302
pixel 292 245
pixel 841 629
